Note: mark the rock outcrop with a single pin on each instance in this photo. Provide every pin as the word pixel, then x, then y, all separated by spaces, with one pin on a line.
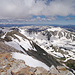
pixel 4 48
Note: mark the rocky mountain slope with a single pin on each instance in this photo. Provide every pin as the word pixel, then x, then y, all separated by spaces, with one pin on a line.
pixel 46 45
pixel 11 66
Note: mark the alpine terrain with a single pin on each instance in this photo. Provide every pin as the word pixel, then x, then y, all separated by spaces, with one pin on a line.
pixel 37 50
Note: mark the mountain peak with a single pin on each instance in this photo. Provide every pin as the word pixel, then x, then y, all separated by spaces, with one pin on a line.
pixel 54 29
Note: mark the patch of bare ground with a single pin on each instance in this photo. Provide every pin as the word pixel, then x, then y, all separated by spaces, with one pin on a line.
pixel 4 48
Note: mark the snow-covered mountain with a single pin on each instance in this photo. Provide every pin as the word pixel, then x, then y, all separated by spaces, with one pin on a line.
pixel 44 43
pixel 17 40
pixel 55 41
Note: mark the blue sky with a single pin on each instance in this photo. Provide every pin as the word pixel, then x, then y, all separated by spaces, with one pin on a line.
pixel 60 12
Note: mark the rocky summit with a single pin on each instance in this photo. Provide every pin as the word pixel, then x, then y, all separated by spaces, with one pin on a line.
pixel 11 66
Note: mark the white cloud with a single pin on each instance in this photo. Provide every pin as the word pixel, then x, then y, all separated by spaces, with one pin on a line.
pixel 40 19
pixel 70 18
pixel 23 9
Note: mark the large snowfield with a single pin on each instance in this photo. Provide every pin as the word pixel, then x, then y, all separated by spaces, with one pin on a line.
pixel 29 60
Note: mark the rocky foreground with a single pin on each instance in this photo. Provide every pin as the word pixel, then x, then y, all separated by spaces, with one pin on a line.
pixel 11 66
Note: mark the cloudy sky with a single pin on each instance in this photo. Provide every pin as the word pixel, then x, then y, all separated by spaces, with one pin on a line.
pixel 38 11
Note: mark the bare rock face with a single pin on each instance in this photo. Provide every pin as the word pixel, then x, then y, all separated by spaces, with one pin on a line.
pixel 23 71
pixel 60 70
pixel 17 67
pixel 53 70
pixel 63 70
pixel 41 70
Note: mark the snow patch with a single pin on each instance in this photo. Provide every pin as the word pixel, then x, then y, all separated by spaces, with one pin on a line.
pixel 29 60
pixel 24 43
pixel 55 29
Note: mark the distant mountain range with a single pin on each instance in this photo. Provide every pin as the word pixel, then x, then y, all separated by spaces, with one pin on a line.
pixel 20 25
